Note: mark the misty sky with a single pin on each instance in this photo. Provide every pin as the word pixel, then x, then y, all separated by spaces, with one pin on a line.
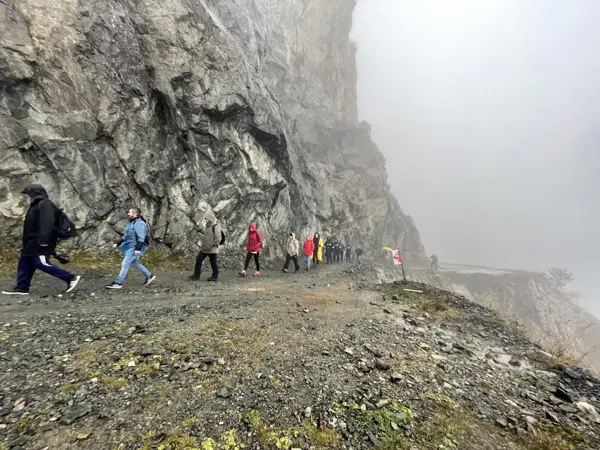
pixel 488 113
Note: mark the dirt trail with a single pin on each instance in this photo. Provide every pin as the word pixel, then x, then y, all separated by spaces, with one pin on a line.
pixel 320 359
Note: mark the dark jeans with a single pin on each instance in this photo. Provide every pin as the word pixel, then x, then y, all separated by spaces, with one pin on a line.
pixel 289 258
pixel 248 257
pixel 213 264
pixel 329 258
pixel 29 264
pixel 316 256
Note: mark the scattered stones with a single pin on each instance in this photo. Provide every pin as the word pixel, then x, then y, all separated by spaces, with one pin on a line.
pixel 224 393
pixel 82 436
pixel 396 377
pixel 72 413
pixel 588 410
pixel 502 422
pixel 553 417
pixel 562 394
pixel 349 351
pixel 382 364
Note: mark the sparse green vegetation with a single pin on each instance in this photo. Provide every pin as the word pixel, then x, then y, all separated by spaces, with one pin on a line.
pixel 190 422
pixel 543 440
pixel 113 383
pixel 320 438
pixel 23 425
pixel 393 441
pixel 70 387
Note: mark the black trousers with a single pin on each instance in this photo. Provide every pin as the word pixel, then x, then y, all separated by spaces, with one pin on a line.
pixel 316 256
pixel 256 260
pixel 213 264
pixel 289 258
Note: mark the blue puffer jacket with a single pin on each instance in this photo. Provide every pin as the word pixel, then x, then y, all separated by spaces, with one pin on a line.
pixel 134 236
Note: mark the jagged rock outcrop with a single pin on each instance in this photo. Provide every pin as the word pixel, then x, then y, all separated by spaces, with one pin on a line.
pixel 187 107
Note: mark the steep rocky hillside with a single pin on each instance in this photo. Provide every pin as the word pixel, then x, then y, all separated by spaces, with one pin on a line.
pixel 550 315
pixel 241 108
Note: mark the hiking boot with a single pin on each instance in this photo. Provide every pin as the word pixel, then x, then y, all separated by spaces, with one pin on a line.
pixel 194 277
pixel 257 274
pixel 243 273
pixel 73 283
pixel 17 291
pixel 115 285
pixel 149 280
pixel 212 279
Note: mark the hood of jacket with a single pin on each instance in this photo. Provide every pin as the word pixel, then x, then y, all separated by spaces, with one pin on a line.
pixel 252 227
pixel 36 192
pixel 292 237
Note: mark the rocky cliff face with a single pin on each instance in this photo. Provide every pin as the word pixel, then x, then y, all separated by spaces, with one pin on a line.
pixel 245 109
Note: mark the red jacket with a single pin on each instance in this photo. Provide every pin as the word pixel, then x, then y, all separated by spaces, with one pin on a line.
pixel 309 247
pixel 254 238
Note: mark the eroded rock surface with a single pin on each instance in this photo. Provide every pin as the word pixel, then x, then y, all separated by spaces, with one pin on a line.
pixel 186 107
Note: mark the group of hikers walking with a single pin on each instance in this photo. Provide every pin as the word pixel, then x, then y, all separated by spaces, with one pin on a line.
pixel 45 224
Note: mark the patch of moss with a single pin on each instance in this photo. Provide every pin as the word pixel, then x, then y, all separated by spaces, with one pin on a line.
pixel 190 422
pixel 23 425
pixel 320 438
pixel 113 383
pixel 394 441
pixel 543 440
pixel 69 387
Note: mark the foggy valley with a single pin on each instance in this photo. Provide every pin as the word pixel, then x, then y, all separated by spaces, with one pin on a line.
pixel 488 114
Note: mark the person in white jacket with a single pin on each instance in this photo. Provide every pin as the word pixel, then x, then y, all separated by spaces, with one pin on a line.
pixel 293 246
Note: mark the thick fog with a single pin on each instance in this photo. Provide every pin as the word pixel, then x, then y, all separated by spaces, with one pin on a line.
pixel 488 113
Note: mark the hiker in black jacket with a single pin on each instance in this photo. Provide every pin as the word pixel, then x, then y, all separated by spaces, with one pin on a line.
pixel 329 250
pixel 39 243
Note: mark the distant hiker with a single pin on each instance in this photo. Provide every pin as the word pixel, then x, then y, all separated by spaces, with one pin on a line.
pixel 316 241
pixel 212 239
pixel 40 237
pixel 319 250
pixel 293 247
pixel 359 252
pixel 133 245
pixel 309 247
pixel 348 253
pixel 329 251
pixel 254 247
pixel 341 251
pixel 434 263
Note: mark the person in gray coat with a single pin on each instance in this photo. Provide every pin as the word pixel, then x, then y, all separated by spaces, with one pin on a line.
pixel 210 247
pixel 293 246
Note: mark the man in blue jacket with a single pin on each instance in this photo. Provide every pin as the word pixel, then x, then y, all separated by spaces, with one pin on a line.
pixel 133 245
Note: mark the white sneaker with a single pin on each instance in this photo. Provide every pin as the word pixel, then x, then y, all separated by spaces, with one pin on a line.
pixel 149 280
pixel 73 283
pixel 114 286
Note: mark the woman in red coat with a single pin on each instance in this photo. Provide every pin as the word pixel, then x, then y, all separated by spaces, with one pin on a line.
pixel 309 248
pixel 254 247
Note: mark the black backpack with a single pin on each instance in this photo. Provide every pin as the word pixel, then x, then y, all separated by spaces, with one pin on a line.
pixel 65 228
pixel 222 241
pixel 148 238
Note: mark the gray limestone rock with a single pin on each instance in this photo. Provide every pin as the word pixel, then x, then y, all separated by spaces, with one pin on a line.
pixel 187 108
